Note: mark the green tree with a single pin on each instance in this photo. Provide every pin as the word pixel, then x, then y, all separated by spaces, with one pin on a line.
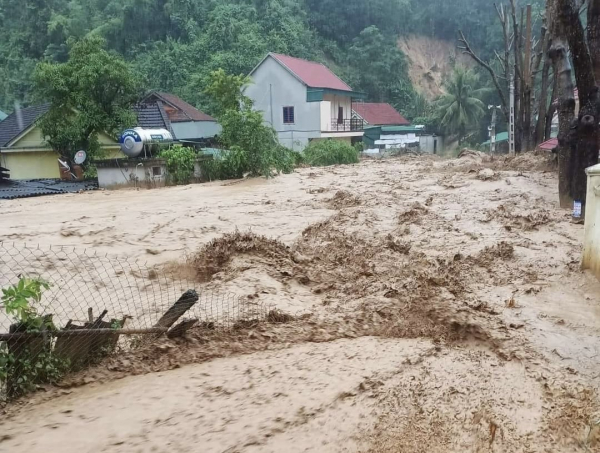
pixel 226 91
pixel 253 146
pixel 380 69
pixel 461 108
pixel 92 92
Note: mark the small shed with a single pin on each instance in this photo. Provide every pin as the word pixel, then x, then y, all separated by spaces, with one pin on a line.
pixel 501 143
pixel 394 137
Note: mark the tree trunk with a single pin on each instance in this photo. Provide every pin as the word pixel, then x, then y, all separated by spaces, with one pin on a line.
pixel 527 85
pixel 566 113
pixel 518 57
pixel 543 102
pixel 552 108
pixel 539 135
pixel 593 35
pixel 582 141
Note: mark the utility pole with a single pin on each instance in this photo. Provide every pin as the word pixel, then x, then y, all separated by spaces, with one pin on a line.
pixel 511 119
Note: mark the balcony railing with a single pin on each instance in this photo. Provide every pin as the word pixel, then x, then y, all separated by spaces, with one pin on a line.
pixel 347 125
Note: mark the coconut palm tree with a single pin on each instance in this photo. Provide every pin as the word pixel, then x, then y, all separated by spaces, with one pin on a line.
pixel 461 108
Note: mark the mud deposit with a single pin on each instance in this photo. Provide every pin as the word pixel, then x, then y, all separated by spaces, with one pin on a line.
pixel 429 309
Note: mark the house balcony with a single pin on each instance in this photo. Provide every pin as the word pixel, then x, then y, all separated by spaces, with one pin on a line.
pixel 333 125
pixel 347 125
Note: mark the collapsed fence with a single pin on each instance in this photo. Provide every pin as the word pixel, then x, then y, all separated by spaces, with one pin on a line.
pixel 64 309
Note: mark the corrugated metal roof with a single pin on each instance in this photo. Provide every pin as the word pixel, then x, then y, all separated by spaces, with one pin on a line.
pixel 379 114
pixel 549 145
pixel 38 187
pixel 20 120
pixel 501 137
pixel 183 111
pixel 312 74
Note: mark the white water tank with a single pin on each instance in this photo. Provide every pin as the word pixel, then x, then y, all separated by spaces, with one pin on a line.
pixel 133 140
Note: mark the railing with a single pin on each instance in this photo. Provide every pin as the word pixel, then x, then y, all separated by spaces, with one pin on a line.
pixel 347 125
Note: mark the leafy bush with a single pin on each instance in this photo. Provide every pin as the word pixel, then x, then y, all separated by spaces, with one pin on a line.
pixel 235 163
pixel 19 302
pixel 321 153
pixel 34 364
pixel 180 164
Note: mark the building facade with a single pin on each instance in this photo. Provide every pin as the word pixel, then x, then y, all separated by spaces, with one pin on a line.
pixel 303 101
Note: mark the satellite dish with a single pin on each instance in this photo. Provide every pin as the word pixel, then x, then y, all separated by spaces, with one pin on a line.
pixel 80 157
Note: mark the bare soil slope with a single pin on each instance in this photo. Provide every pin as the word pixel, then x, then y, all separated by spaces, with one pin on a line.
pixel 430 62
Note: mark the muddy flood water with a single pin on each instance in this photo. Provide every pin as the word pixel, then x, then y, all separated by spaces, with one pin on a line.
pixel 438 306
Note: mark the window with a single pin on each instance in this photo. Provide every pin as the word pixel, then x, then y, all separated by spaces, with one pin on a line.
pixel 288 115
pixel 156 171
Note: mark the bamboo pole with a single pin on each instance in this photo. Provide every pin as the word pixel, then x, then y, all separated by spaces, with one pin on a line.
pixel 81 333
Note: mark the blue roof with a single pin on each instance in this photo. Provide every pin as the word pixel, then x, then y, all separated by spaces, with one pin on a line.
pixel 2 115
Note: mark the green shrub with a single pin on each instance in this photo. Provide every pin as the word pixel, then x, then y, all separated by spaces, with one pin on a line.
pixel 321 153
pixel 35 363
pixel 180 164
pixel 235 163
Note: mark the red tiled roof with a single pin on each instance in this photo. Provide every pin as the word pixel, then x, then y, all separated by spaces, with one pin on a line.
pixel 183 111
pixel 380 114
pixel 549 145
pixel 312 74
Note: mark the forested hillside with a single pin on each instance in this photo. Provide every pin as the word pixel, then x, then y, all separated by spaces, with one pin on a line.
pixel 174 44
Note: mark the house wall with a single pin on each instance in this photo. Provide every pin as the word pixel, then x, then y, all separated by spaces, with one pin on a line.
pixel 35 139
pixel 133 176
pixel 31 164
pixel 30 158
pixel 195 129
pixel 274 88
pixel 427 144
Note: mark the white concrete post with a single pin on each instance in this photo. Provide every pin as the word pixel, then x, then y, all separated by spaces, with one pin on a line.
pixel 591 241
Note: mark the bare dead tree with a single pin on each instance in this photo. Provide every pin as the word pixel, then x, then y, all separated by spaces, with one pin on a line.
pixel 466 48
pixel 543 109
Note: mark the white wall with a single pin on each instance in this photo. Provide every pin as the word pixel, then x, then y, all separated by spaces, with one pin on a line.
pixel 338 101
pixel 274 88
pixel 195 129
pixel 325 115
pixel 427 144
pixel 114 177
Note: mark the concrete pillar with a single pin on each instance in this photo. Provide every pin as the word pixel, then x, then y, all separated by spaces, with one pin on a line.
pixel 591 242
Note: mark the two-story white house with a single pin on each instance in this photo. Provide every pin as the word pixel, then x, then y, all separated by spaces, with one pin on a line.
pixel 303 101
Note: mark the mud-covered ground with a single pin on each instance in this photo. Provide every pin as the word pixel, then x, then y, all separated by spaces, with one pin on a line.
pixel 439 306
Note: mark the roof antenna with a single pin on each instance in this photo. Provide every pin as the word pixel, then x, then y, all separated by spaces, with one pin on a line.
pixel 19 115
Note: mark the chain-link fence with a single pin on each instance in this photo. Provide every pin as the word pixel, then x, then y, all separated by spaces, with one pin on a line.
pixel 63 309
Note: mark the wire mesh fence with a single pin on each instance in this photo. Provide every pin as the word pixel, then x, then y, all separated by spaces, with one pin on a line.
pixel 63 309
